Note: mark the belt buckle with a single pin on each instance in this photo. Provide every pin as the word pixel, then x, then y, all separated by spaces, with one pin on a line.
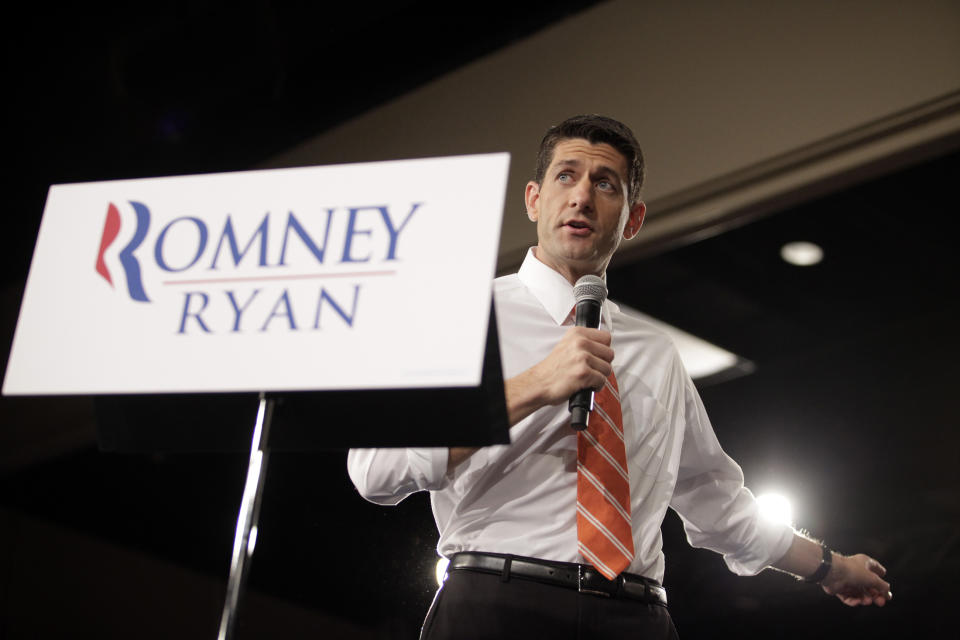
pixel 594 587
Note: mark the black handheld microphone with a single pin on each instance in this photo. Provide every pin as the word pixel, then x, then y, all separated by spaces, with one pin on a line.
pixel 589 292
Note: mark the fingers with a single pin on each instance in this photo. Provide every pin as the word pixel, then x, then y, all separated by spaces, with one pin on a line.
pixel 588 372
pixel 861 583
pixel 875 574
pixel 581 360
pixel 593 341
pixel 865 599
pixel 591 356
pixel 876 567
pixel 595 335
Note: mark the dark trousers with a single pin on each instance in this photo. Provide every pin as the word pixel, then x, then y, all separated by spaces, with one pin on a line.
pixel 473 605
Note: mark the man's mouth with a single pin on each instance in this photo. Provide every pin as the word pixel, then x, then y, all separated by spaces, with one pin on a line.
pixel 578 227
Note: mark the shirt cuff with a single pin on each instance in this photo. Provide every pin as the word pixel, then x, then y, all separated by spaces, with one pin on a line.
pixel 772 543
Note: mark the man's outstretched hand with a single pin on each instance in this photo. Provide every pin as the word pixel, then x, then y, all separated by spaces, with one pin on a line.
pixel 857 580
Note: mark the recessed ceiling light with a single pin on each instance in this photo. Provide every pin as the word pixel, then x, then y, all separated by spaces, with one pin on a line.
pixel 801 254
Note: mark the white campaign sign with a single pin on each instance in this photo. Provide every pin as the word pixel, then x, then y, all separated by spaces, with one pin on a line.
pixel 375 275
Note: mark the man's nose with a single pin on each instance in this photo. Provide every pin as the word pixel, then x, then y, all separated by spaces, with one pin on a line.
pixel 581 196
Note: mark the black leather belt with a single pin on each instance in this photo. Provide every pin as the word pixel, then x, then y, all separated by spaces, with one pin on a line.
pixel 581 577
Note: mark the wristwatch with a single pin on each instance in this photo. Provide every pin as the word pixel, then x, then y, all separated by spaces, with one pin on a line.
pixel 824 568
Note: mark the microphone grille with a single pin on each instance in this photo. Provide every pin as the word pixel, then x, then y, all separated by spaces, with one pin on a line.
pixel 590 288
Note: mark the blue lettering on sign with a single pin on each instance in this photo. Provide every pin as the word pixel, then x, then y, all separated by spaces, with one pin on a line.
pixel 363 241
pixel 283 300
pixel 238 310
pixel 347 318
pixel 392 231
pixel 187 313
pixel 351 232
pixel 198 308
pixel 201 244
pixel 131 267
pixel 395 231
pixel 231 238
pixel 293 223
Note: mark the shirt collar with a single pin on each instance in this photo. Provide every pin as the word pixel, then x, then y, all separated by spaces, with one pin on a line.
pixel 551 289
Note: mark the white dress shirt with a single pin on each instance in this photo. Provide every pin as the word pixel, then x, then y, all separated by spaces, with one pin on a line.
pixel 521 498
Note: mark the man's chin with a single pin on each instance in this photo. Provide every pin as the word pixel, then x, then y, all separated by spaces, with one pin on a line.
pixel 577 261
pixel 582 254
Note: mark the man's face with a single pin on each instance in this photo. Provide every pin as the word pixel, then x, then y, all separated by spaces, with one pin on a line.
pixel 581 208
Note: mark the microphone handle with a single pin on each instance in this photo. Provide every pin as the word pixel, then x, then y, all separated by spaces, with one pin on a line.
pixel 581 402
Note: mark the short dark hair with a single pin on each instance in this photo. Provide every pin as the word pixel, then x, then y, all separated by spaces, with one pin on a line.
pixel 596 129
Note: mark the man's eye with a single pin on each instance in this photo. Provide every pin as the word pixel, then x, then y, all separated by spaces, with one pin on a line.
pixel 563 177
pixel 604 185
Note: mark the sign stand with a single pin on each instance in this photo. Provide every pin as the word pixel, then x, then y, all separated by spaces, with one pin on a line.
pixel 177 423
pixel 246 536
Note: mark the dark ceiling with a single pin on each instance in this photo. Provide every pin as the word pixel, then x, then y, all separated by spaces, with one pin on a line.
pixel 849 408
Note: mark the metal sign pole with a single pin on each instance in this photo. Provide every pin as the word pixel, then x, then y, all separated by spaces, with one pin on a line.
pixel 246 535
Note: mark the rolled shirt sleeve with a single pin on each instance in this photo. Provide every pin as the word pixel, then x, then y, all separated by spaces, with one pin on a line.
pixel 387 476
pixel 718 511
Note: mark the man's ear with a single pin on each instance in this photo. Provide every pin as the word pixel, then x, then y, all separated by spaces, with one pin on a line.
pixel 634 220
pixel 532 199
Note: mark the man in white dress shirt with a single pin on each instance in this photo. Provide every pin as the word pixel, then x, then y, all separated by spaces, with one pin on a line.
pixel 507 514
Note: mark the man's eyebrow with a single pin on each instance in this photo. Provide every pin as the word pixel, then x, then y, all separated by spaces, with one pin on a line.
pixel 572 162
pixel 602 170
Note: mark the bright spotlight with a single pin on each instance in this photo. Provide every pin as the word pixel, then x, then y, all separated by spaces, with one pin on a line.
pixel 441 570
pixel 776 508
pixel 801 254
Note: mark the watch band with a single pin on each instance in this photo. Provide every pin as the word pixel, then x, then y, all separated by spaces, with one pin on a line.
pixel 824 567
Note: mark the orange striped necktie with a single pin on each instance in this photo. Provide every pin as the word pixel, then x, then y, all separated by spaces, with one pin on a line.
pixel 604 533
